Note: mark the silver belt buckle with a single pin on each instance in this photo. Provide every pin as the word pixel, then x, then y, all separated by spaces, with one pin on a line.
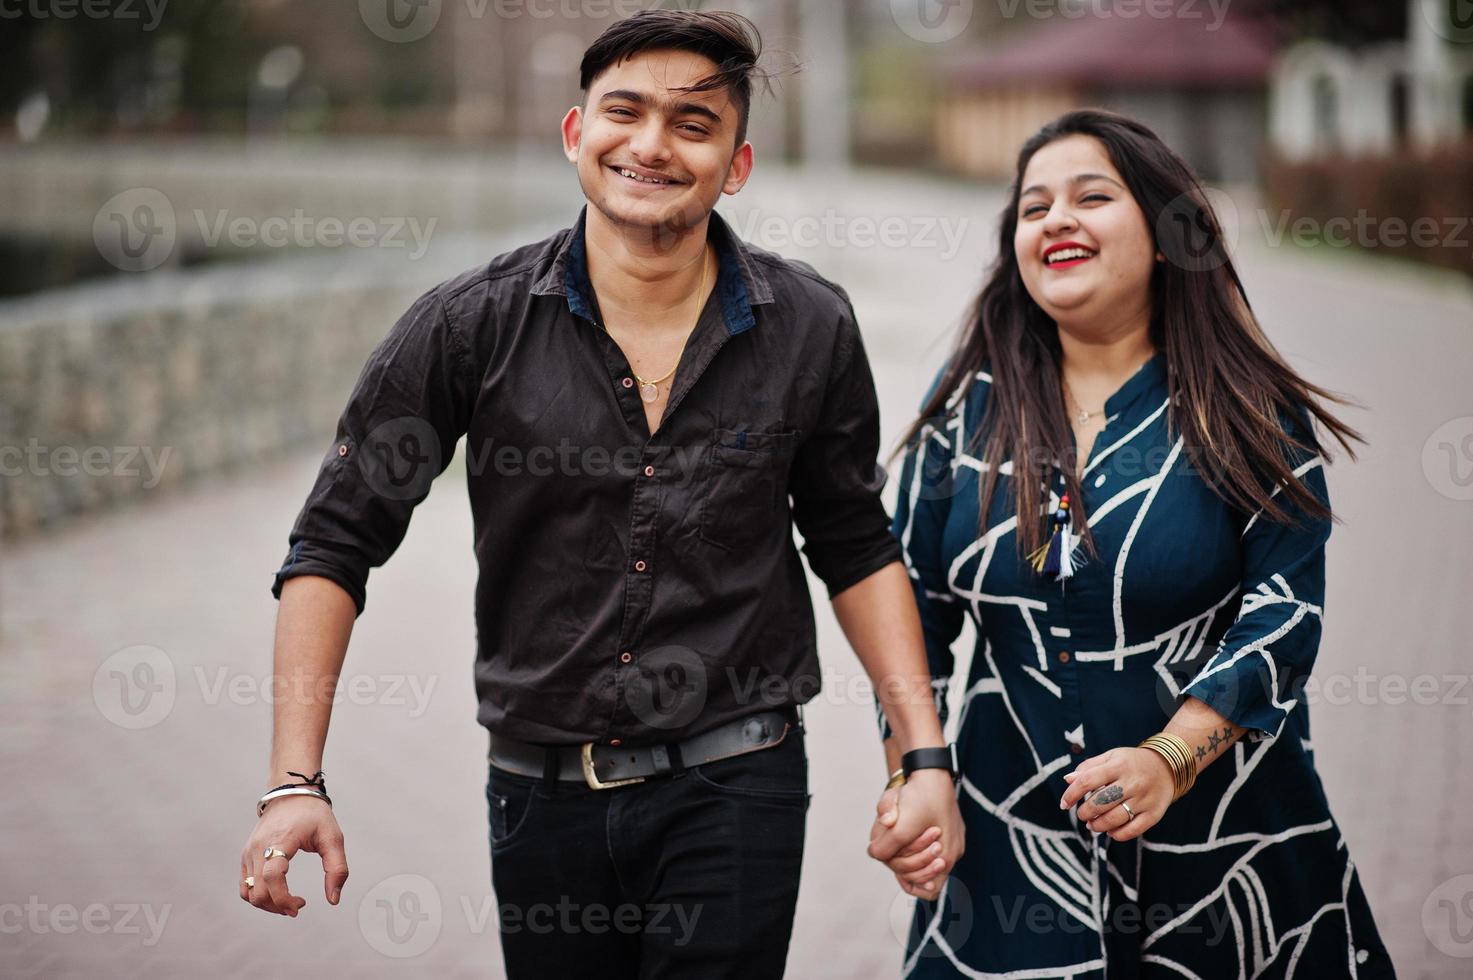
pixel 591 778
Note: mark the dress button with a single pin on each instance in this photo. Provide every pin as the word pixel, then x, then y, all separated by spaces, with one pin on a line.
pixel 343 450
pixel 625 657
pixel 640 566
pixel 628 382
pixel 1063 656
pixel 649 471
pixel 1076 748
pixel 616 741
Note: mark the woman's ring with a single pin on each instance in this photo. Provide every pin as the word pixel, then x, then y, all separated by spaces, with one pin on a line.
pixel 273 852
pixel 250 881
pixel 1128 810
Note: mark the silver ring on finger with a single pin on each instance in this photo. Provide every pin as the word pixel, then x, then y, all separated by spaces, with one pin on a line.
pixel 273 852
pixel 1128 810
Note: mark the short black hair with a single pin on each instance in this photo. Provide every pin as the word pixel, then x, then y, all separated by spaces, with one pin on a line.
pixel 728 39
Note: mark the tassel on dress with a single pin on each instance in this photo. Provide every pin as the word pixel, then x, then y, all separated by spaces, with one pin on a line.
pixel 1057 558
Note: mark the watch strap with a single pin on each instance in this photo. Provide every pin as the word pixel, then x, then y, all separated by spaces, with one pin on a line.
pixel 934 757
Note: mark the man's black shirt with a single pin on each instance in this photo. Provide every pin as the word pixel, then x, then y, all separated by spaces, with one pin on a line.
pixel 631 588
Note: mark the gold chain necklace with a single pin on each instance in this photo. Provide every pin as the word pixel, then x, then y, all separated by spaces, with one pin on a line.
pixel 650 390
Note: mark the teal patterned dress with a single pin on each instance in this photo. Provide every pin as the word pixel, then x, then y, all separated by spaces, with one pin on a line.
pixel 1247 875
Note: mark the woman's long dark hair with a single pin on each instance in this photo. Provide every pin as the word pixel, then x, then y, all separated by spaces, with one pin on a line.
pixel 1230 387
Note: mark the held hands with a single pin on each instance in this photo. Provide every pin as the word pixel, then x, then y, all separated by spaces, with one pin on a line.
pixel 918 832
pixel 292 824
pixel 1119 782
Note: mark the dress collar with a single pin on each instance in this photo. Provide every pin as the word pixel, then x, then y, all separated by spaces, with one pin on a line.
pixel 1149 380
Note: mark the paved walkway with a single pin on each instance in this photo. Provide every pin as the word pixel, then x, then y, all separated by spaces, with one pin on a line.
pixel 125 810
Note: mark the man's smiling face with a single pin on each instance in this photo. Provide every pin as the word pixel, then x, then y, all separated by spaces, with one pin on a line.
pixel 650 155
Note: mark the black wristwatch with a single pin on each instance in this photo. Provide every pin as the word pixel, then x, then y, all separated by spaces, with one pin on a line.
pixel 932 758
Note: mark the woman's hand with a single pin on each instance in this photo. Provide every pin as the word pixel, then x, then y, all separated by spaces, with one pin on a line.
pixel 1118 782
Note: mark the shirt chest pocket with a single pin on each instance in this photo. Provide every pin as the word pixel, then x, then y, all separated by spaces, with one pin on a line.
pixel 745 487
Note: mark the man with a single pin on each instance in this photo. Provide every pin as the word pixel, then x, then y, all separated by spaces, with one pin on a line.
pixel 644 625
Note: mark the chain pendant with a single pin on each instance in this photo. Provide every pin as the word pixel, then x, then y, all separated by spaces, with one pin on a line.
pixel 1083 417
pixel 649 392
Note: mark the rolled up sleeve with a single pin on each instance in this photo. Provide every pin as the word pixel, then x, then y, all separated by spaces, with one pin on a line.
pixel 837 478
pixel 409 407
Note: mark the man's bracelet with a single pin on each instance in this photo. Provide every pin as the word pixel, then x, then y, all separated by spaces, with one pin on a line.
pixel 281 791
pixel 315 785
pixel 897 778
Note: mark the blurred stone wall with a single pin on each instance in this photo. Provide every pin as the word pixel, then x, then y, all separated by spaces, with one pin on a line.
pixel 100 406
pixel 198 356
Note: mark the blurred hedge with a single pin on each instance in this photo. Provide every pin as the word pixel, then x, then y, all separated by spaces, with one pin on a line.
pixel 1436 186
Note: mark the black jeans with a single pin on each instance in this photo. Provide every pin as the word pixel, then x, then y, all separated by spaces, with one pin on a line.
pixel 691 875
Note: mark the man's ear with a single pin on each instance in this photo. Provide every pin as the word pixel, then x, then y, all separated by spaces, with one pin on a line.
pixel 572 133
pixel 740 170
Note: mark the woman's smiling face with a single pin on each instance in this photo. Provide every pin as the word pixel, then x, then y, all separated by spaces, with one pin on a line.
pixel 1083 246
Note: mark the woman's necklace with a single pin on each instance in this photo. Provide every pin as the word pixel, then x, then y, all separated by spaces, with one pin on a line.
pixel 1082 417
pixel 650 390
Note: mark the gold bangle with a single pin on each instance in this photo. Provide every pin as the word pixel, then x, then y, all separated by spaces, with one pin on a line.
pixel 1178 756
pixel 897 778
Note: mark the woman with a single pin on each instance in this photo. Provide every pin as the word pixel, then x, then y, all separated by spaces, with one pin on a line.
pixel 1151 561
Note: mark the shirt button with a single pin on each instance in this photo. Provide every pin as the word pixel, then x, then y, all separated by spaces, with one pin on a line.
pixel 649 471
pixel 343 449
pixel 616 741
pixel 1063 656
pixel 640 566
pixel 625 657
pixel 1076 748
pixel 628 382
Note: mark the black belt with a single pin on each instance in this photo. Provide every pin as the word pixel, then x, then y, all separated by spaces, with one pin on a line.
pixel 606 766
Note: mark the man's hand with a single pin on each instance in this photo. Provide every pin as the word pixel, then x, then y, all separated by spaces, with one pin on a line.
pixel 918 832
pixel 292 824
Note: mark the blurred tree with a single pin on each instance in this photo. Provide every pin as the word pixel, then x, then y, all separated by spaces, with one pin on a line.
pixel 105 73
